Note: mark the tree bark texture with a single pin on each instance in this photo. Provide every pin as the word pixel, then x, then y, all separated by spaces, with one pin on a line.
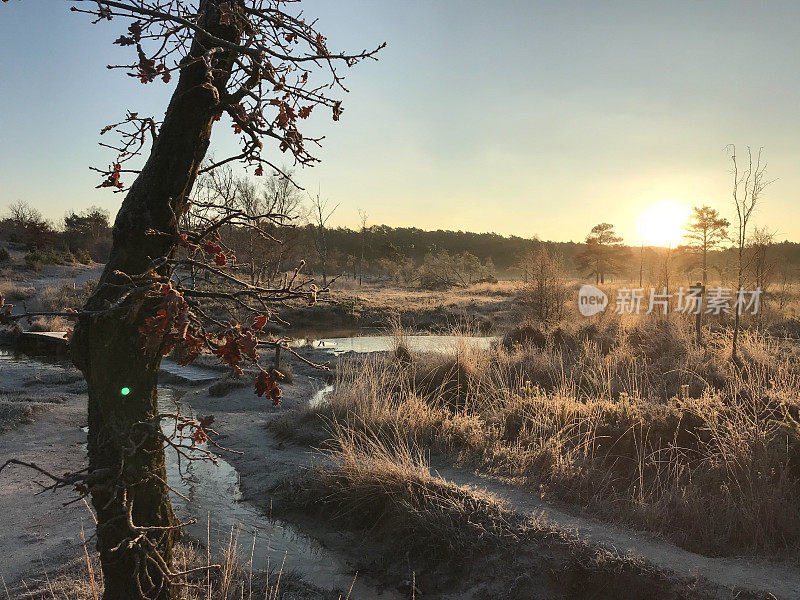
pixel 124 441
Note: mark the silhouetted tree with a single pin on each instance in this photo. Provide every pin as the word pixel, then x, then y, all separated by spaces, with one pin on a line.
pixel 748 184
pixel 705 231
pixel 603 254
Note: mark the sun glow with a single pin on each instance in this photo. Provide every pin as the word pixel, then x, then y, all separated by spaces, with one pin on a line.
pixel 663 224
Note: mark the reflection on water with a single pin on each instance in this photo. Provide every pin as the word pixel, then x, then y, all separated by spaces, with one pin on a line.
pixel 320 396
pixel 385 343
pixel 211 494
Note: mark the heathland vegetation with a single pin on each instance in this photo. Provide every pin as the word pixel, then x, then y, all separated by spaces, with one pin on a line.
pixel 523 465
pixel 629 418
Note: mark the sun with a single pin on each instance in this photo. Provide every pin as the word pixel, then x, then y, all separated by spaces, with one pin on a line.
pixel 662 224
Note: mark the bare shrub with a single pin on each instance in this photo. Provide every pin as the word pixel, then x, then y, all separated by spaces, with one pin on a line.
pixel 48 324
pixel 68 295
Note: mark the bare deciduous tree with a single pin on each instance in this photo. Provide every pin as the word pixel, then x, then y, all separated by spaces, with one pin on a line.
pixel 30 227
pixel 321 215
pixel 748 184
pixel 760 263
pixel 281 196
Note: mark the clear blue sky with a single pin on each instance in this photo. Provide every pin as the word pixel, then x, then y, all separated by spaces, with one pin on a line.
pixel 509 116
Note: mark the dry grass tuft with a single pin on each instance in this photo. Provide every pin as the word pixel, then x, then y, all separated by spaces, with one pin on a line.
pixel 15 411
pixel 48 324
pixel 382 484
pixel 636 423
pixel 235 579
pixel 15 292
pixel 68 295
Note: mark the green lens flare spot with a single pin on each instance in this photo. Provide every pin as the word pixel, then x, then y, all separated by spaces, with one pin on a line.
pixel 125 391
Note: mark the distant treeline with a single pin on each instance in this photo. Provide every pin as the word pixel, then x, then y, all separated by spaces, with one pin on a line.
pixel 411 255
pixel 384 242
pixel 509 255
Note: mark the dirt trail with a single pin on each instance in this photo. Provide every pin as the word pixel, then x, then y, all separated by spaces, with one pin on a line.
pixel 735 574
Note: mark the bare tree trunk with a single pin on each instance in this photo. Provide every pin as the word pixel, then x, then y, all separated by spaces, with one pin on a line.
pixel 252 250
pixel 124 434
pixel 323 251
pixel 363 217
pixel 641 266
pixel 705 264
pixel 746 193
pixel 737 315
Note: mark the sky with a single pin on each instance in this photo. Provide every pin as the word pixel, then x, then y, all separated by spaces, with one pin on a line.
pixel 531 118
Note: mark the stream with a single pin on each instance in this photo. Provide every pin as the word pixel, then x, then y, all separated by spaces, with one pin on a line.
pixel 210 494
pixel 385 343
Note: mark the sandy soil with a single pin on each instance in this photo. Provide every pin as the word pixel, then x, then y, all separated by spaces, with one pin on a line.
pixel 37 532
pixel 733 574
pixel 55 275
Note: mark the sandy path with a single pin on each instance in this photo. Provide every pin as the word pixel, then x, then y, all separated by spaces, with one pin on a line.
pixel 734 574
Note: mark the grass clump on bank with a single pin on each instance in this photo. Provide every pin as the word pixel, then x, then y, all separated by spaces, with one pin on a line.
pixel 444 539
pixel 636 423
pixel 385 484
